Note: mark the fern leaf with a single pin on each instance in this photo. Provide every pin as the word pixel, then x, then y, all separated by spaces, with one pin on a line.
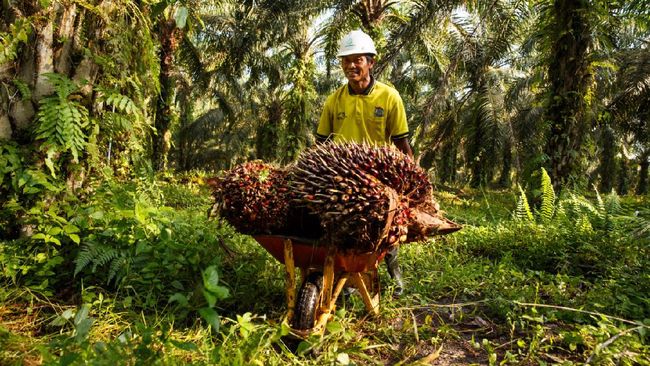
pixel 523 208
pixel 608 207
pixel 84 258
pixel 578 207
pixel 612 203
pixel 547 209
pixel 104 256
pixel 601 204
pixel 118 266
pixel 96 254
pixel 60 121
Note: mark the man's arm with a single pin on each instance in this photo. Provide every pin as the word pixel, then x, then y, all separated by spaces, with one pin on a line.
pixel 325 124
pixel 398 127
pixel 404 146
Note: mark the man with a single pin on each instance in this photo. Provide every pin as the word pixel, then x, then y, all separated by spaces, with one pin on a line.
pixel 365 110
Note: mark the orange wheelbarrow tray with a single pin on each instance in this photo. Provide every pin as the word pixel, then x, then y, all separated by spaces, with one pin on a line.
pixel 325 271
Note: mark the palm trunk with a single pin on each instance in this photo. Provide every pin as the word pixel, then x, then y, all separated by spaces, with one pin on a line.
pixel 49 49
pixel 475 150
pixel 44 58
pixel 448 169
pixel 642 186
pixel 607 160
pixel 299 105
pixel 186 117
pixel 504 179
pixel 569 76
pixel 65 34
pixel 268 134
pixel 623 176
pixel 169 40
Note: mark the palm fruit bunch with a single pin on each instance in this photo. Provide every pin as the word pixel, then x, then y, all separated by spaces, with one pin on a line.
pixel 252 197
pixel 386 163
pixel 356 196
pixel 363 194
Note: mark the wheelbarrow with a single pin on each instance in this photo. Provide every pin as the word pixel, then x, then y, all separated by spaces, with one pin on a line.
pixel 325 271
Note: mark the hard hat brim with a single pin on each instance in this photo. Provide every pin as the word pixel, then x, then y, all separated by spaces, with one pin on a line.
pixel 348 53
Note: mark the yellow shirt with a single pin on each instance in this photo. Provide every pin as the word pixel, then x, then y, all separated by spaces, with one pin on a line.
pixel 375 117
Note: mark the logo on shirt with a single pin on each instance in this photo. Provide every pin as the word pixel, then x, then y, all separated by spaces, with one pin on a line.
pixel 379 112
pixel 341 115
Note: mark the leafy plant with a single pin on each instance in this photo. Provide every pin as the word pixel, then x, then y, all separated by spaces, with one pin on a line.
pixel 547 207
pixel 11 166
pixel 61 121
pixel 212 292
pixel 18 33
pixel 523 211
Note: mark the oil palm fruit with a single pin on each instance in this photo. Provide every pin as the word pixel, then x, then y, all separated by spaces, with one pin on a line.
pixel 252 197
pixel 384 162
pixel 362 193
pixel 356 196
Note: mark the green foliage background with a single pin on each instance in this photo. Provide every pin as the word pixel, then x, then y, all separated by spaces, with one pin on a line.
pixel 113 115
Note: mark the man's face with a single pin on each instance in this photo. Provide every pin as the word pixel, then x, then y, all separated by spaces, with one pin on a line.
pixel 357 67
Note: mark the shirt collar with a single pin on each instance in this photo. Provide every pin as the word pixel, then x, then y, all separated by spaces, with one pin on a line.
pixel 366 91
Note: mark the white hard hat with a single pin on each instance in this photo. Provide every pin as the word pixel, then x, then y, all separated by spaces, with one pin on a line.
pixel 356 42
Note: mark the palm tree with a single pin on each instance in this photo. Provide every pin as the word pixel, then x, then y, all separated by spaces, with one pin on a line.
pixel 631 108
pixel 97 63
pixel 466 101
pixel 260 73
pixel 569 36
pixel 175 22
pixel 83 48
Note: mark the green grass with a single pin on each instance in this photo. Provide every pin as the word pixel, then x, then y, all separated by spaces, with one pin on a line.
pixel 500 291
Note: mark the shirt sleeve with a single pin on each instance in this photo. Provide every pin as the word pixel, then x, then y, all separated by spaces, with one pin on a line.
pixel 397 125
pixel 326 122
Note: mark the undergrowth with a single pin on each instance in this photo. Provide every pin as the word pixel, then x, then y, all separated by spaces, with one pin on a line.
pixel 136 273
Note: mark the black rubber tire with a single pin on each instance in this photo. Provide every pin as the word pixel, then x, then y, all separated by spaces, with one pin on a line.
pixel 307 303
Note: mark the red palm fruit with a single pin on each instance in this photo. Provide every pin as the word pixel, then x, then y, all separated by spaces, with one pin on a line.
pixel 252 197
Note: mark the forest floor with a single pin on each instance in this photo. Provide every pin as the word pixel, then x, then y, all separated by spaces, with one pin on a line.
pixel 500 291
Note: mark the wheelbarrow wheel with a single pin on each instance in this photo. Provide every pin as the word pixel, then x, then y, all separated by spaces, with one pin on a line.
pixel 308 299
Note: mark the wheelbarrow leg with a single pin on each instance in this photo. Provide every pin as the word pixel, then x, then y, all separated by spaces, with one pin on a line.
pixel 330 294
pixel 362 282
pixel 340 283
pixel 328 276
pixel 326 304
pixel 291 279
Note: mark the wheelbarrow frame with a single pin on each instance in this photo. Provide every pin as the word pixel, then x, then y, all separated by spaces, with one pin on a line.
pixel 339 268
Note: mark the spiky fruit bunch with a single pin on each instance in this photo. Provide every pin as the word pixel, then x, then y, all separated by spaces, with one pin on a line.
pixel 362 193
pixel 252 197
pixel 385 162
pixel 355 196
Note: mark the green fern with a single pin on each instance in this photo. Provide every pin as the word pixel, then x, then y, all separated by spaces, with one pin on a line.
pixel 612 203
pixel 23 88
pixel 547 209
pixel 639 224
pixel 607 208
pixel 61 120
pixel 96 254
pixel 523 211
pixel 599 200
pixel 122 103
pixel 118 102
pixel 577 207
pixel 116 267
